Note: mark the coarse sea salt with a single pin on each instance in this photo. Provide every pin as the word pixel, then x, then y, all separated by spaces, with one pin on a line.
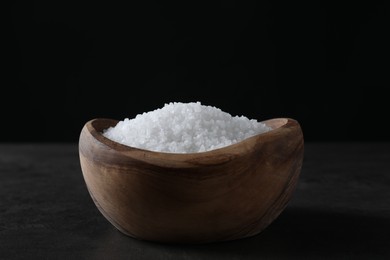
pixel 180 127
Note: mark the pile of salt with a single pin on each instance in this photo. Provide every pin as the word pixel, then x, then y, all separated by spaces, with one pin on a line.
pixel 184 128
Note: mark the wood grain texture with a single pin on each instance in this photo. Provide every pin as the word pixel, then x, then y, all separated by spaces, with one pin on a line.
pixel 224 194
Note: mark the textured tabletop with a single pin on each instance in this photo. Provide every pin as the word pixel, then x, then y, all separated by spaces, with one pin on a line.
pixel 340 210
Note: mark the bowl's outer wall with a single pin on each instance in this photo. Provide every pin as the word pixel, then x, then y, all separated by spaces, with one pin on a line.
pixel 199 202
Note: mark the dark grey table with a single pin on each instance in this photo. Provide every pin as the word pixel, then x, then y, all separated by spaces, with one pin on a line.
pixel 340 210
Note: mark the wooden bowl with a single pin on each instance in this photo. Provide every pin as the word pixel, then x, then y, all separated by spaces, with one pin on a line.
pixel 223 194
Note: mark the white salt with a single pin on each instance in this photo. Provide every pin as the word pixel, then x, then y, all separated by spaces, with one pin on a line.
pixel 184 128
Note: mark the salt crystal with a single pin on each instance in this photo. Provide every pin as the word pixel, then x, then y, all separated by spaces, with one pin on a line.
pixel 184 128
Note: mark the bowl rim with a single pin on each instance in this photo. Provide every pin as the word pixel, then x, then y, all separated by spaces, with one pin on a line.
pixel 280 126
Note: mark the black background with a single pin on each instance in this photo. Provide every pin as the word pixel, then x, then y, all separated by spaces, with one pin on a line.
pixel 324 64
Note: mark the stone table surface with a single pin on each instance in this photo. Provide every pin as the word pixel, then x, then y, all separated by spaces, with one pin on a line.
pixel 340 210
